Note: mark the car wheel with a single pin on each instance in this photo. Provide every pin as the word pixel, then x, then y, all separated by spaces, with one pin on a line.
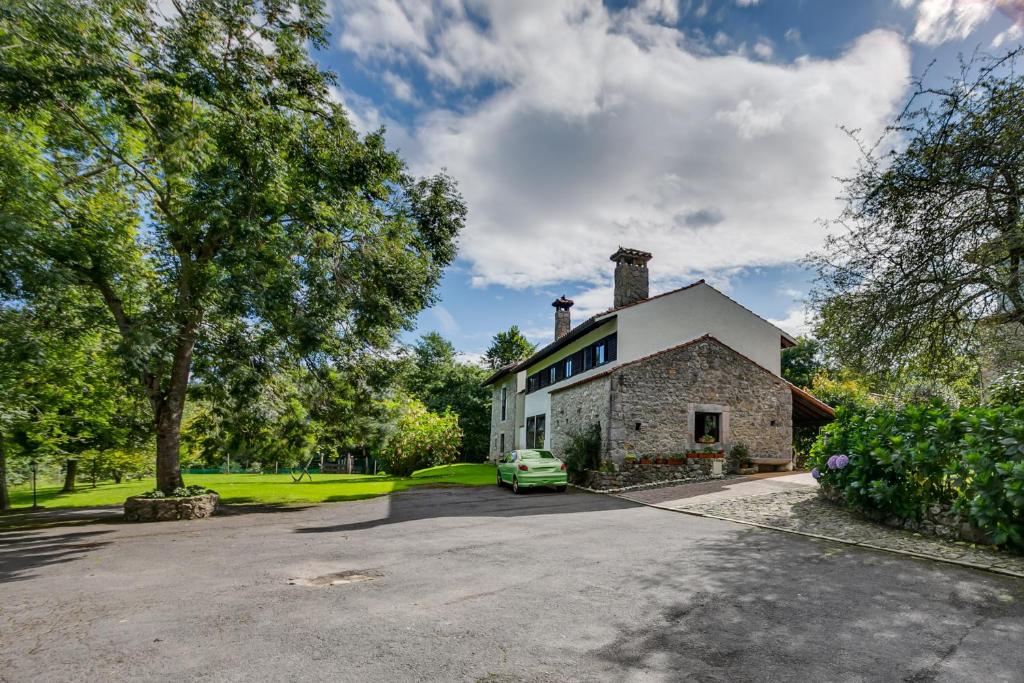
pixel 515 486
pixel 560 489
pixel 500 482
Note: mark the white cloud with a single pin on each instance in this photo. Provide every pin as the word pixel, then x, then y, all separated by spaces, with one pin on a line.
pixel 763 48
pixel 939 21
pixel 796 322
pixel 602 128
pixel 399 86
pixel 1009 36
pixel 445 320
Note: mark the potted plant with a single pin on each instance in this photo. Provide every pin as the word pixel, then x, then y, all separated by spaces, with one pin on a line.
pixel 630 459
pixel 675 459
pixel 645 460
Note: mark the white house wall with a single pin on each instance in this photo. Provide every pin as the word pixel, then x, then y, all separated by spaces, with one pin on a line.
pixel 670 320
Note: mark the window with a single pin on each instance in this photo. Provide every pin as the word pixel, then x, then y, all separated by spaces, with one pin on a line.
pixel 501 448
pixel 707 424
pixel 535 431
pixel 600 352
pixel 504 403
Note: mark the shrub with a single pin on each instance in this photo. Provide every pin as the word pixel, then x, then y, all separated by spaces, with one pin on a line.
pixel 582 452
pixel 417 438
pixel 903 460
pixel 180 492
pixel 739 456
pixel 1008 389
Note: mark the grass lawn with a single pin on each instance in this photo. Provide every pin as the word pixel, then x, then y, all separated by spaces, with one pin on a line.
pixel 265 488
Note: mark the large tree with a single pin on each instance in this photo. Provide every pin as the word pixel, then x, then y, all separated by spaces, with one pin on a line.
pixel 196 177
pixel 508 347
pixel 931 252
pixel 444 383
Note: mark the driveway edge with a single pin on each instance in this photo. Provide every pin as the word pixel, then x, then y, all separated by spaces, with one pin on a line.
pixel 972 565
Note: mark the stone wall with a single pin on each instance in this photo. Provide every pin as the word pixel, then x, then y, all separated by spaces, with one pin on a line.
pixel 576 408
pixel 499 426
pixel 938 521
pixel 636 474
pixel 138 509
pixel 661 394
pixel 631 283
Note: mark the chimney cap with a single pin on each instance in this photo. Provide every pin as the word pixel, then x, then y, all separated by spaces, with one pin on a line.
pixel 633 256
pixel 562 302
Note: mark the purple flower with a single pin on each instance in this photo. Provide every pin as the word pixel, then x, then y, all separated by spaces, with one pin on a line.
pixel 815 473
pixel 831 462
pixel 842 461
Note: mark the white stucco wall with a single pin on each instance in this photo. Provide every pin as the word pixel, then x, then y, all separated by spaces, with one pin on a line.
pixel 673 319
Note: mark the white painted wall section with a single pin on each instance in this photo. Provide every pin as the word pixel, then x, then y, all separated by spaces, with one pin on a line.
pixel 663 322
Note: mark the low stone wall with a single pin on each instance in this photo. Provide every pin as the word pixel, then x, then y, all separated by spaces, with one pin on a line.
pixel 637 474
pixel 137 509
pixel 938 521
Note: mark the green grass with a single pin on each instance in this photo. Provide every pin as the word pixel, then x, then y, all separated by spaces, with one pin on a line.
pixel 266 488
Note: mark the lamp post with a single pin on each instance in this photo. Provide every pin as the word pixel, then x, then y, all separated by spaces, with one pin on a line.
pixel 34 466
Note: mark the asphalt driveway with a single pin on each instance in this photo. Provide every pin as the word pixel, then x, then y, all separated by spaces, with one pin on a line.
pixel 478 584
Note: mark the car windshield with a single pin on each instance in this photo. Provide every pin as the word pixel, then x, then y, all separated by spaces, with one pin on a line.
pixel 538 454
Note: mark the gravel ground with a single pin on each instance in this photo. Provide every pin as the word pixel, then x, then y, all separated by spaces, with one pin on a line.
pixel 792 503
pixel 478 584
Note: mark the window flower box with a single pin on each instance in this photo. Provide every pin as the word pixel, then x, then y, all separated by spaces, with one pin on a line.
pixel 705 454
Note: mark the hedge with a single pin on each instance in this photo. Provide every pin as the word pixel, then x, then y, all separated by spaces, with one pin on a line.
pixel 902 460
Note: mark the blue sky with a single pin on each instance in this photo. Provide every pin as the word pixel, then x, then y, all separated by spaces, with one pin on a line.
pixel 704 131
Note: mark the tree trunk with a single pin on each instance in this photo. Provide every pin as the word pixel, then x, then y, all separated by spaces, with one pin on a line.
pixel 168 450
pixel 117 477
pixel 5 501
pixel 69 476
pixel 169 409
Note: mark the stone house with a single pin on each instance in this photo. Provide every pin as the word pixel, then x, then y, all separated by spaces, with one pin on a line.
pixel 656 373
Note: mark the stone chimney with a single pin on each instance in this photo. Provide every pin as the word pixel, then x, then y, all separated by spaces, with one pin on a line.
pixel 631 280
pixel 563 322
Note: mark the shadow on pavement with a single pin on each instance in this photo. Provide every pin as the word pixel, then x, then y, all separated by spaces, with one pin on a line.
pixel 766 606
pixel 23 551
pixel 428 503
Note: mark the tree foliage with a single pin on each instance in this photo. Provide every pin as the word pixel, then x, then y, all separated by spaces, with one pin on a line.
pixel 932 247
pixel 508 347
pixel 801 362
pixel 195 180
pixel 417 438
pixel 442 382
pixel 62 391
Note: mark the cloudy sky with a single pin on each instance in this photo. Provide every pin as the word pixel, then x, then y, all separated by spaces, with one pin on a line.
pixel 704 131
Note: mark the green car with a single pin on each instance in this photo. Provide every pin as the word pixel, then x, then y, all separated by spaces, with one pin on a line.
pixel 531 467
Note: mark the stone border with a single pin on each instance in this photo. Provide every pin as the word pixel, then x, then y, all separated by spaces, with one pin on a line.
pixel 654 485
pixel 937 521
pixel 935 558
pixel 139 509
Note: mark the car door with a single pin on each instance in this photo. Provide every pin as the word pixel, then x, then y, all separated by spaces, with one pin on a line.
pixel 507 465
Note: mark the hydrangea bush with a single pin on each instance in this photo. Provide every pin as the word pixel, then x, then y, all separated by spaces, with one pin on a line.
pixel 903 460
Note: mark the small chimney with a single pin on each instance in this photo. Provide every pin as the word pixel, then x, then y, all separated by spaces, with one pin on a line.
pixel 563 322
pixel 631 279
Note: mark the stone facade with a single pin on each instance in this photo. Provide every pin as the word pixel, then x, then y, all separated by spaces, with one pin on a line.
pixel 138 509
pixel 654 402
pixel 648 407
pixel 506 426
pixel 576 408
